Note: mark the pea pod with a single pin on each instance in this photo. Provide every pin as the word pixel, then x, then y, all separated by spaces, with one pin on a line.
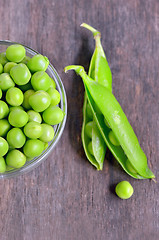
pixel 99 68
pixel 98 163
pixel 99 71
pixel 111 110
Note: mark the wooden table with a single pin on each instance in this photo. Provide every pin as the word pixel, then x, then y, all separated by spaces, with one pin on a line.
pixel 65 198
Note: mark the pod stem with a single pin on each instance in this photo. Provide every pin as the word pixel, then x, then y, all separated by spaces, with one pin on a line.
pixel 93 30
pixel 97 37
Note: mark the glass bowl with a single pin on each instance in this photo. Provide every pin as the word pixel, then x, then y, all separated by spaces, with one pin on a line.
pixel 29 165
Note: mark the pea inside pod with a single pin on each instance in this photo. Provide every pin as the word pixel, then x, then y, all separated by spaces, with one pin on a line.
pixel 112 112
pixel 86 136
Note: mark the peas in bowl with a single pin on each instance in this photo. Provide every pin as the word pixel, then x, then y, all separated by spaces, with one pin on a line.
pixel 33 108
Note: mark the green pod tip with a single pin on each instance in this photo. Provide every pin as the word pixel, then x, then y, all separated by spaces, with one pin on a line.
pixel 77 68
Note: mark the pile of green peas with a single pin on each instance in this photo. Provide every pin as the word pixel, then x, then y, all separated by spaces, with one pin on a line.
pixel 28 107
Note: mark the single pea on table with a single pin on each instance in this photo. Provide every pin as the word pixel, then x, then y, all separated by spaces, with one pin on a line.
pixel 28 101
pixel 124 190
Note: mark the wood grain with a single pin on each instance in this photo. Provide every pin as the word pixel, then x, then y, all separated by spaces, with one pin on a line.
pixel 65 198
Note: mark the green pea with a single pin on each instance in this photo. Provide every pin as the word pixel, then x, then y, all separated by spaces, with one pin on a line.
pixel 29 159
pixel 3 59
pixel 52 83
pixel 0 93
pixel 47 133
pixel 15 53
pixel 89 111
pixel 1 68
pixel 4 127
pixel 53 115
pixel 88 129
pixel 113 139
pixel 3 147
pixel 6 82
pixel 26 87
pixel 4 110
pixel 14 108
pixel 40 81
pixel 11 148
pixel 18 118
pixel 8 66
pixel 25 60
pixel 20 74
pixel 15 159
pixel 46 145
pixel 2 165
pixel 33 148
pixel 33 130
pixel 16 138
pixel 124 190
pixel 38 63
pixel 106 123
pixel 27 95
pixel 90 148
pixel 97 110
pixel 14 96
pixel 130 167
pixel 54 95
pixel 39 101
pixel 8 168
pixel 34 116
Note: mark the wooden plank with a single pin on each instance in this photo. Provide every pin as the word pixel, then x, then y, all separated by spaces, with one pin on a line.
pixel 65 197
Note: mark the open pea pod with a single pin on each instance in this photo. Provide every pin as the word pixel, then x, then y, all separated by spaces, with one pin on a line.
pixel 99 71
pixel 129 154
pixel 95 158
